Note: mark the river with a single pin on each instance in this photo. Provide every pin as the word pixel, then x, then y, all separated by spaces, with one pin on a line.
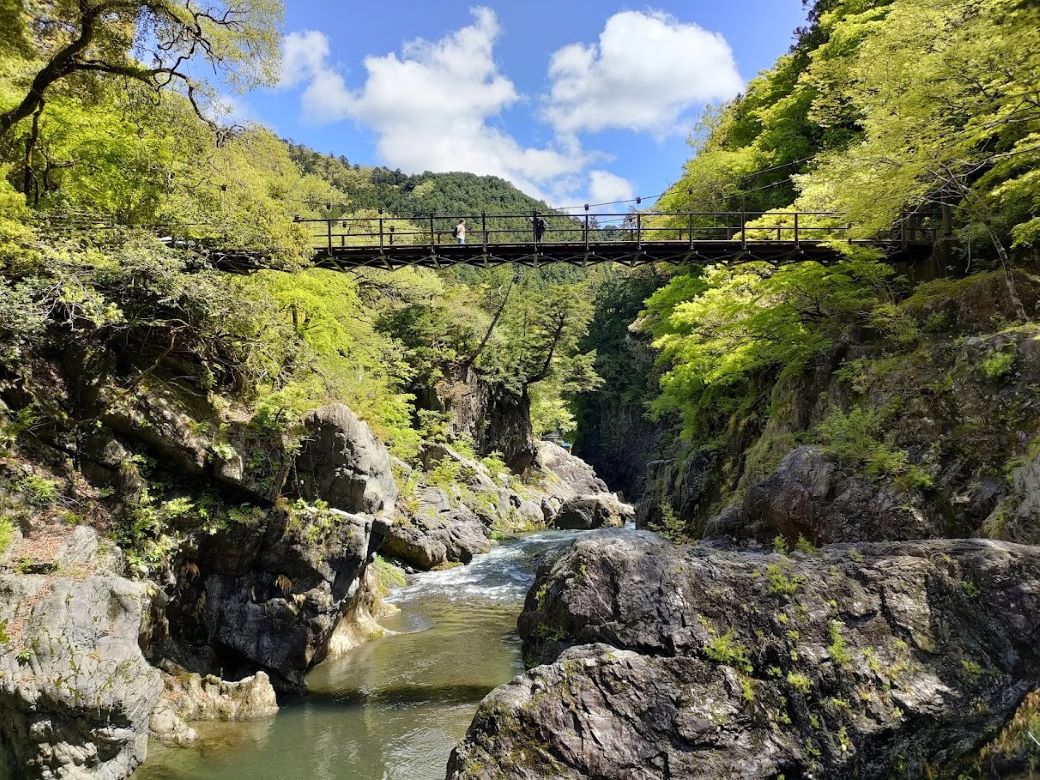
pixel 394 708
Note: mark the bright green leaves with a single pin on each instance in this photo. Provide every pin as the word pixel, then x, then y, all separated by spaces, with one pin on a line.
pixel 749 319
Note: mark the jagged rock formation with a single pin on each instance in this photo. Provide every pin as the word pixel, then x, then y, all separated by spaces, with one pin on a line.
pixel 438 525
pixel 76 691
pixel 191 697
pixel 705 661
pixel 270 597
pixel 264 588
pixel 494 417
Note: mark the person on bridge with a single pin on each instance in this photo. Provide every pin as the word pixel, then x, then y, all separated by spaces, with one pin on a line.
pixel 539 228
pixel 460 232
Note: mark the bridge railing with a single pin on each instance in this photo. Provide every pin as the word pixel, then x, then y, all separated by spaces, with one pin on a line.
pixel 588 228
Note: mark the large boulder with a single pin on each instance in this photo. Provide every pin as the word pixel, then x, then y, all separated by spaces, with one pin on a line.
pixel 584 513
pixel 343 464
pixel 567 476
pixel 189 697
pixel 433 530
pixel 859 661
pixel 75 689
pixel 269 597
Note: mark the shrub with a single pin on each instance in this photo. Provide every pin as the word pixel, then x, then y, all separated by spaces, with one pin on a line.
pixel 997 365
pixel 725 649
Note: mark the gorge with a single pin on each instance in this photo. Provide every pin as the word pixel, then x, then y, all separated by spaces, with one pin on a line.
pixel 770 510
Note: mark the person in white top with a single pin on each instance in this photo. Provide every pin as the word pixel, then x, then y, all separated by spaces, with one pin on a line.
pixel 460 232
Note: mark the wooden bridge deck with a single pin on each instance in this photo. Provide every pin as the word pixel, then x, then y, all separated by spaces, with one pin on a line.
pixel 631 239
pixel 628 253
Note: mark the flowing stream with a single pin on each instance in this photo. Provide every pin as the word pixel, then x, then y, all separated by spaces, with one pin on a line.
pixel 395 707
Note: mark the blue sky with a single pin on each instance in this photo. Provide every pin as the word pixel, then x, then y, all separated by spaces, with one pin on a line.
pixel 570 100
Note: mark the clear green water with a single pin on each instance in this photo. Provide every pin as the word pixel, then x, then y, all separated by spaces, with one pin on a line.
pixel 395 707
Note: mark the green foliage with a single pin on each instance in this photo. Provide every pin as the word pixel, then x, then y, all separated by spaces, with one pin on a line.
pixel 799 682
pixel 853 437
pixel 748 320
pixel 6 533
pixel 997 365
pixel 779 583
pixel 725 649
pixel 38 491
pixel 838 648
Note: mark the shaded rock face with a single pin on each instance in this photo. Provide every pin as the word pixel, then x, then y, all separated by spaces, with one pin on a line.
pixel 808 496
pixel 588 512
pixel 75 689
pixel 439 531
pixel 342 463
pixel 865 661
pixel 956 426
pixel 494 417
pixel 270 597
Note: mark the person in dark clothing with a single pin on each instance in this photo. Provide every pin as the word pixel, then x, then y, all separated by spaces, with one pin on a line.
pixel 539 228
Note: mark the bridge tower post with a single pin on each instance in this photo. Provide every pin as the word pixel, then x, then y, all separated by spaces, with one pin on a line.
pixel 586 231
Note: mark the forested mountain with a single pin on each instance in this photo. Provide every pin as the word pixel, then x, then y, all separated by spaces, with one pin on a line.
pixel 426 193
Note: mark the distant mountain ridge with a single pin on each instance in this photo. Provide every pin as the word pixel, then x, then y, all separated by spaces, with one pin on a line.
pixel 425 193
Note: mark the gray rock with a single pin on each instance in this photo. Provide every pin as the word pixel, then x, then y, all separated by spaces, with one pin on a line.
pixel 859 661
pixel 75 689
pixel 494 417
pixel 342 463
pixel 597 511
pixel 1018 516
pixel 807 496
pixel 568 476
pixel 191 697
pixel 436 531
pixel 163 418
pixel 269 597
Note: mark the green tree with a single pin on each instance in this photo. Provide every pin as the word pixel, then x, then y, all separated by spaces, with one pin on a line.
pixel 153 43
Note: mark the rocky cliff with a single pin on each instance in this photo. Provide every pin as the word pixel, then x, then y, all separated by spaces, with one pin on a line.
pixel 871 661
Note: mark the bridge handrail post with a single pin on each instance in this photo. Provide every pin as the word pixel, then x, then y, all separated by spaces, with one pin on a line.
pixel 639 230
pixel 743 230
pixel 689 219
pixel 586 228
pixel 432 240
pixel 380 230
pixel 797 243
pixel 483 229
pixel 328 234
pixel 392 229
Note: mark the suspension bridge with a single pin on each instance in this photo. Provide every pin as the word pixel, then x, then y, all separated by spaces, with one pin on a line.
pixel 629 238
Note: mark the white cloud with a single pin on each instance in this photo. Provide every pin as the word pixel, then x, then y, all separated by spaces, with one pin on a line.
pixel 647 70
pixel 432 106
pixel 606 187
pixel 303 57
